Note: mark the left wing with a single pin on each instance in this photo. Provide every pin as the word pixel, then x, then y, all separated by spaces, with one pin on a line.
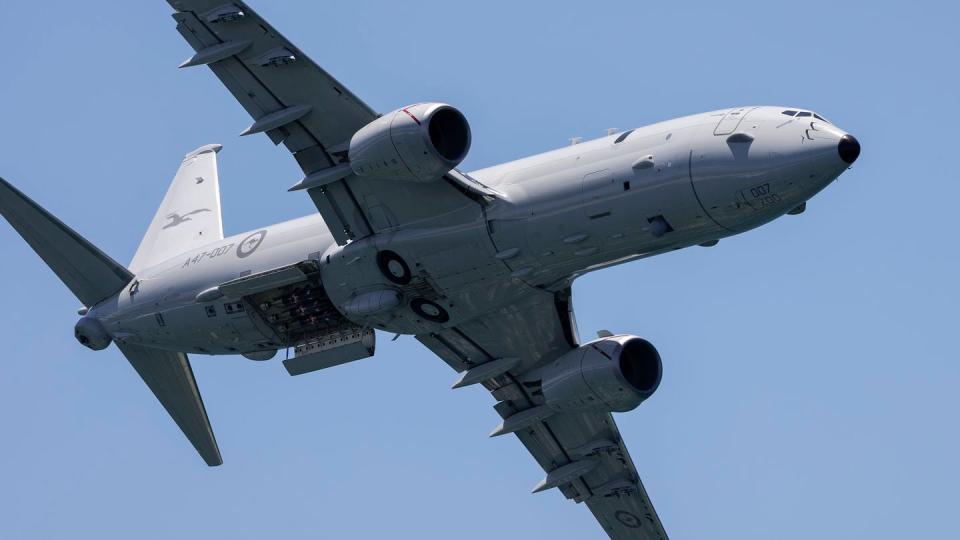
pixel 582 453
pixel 295 102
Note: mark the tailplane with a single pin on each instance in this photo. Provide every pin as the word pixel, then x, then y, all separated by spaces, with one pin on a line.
pixel 93 277
pixel 189 215
pixel 90 274
pixel 170 378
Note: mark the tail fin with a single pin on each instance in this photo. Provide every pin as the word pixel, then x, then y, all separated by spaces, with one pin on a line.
pixel 189 215
pixel 89 273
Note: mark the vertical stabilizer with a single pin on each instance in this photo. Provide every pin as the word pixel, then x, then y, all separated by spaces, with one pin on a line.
pixel 189 215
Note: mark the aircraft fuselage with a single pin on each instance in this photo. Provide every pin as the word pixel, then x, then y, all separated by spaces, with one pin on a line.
pixel 671 185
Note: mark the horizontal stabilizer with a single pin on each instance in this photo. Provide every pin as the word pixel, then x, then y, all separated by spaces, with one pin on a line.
pixel 170 378
pixel 88 272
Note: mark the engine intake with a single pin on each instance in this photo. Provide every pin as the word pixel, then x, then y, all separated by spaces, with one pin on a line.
pixel 614 374
pixel 419 143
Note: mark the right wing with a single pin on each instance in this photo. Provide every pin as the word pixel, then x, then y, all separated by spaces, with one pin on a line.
pixel 583 454
pixel 170 378
pixel 295 102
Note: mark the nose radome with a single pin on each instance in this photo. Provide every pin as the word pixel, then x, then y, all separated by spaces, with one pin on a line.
pixel 849 149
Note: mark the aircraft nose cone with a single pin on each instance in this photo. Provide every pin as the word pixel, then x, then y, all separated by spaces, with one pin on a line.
pixel 849 149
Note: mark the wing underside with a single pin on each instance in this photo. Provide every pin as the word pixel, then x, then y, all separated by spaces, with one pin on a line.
pixel 298 104
pixel 564 444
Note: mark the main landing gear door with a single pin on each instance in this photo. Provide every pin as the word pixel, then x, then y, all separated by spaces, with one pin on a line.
pixel 731 121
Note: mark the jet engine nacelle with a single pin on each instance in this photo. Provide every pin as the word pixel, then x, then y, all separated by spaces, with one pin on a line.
pixel 419 143
pixel 614 374
pixel 91 334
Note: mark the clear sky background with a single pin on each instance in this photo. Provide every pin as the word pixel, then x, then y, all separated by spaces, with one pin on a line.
pixel 811 367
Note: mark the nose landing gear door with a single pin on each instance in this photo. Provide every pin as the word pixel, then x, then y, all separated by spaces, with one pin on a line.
pixel 731 121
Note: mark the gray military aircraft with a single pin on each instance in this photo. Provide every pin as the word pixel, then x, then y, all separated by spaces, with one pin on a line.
pixel 478 266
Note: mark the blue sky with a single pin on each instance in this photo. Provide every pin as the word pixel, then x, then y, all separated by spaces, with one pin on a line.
pixel 811 365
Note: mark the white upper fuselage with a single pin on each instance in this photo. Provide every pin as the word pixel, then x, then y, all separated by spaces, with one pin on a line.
pixel 663 187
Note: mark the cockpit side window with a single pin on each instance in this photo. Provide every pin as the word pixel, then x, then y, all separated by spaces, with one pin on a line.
pixel 623 136
pixel 804 114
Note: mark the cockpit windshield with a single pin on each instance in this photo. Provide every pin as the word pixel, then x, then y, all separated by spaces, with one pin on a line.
pixel 805 114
